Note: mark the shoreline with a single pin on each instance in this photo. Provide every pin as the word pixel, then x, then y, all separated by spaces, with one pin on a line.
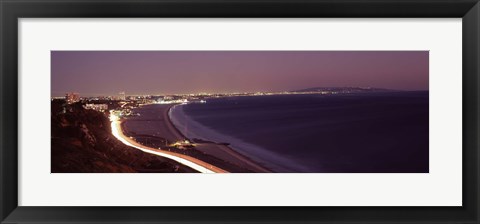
pixel 244 160
pixel 201 166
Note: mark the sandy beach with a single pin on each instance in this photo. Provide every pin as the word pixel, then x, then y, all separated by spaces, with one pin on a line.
pixel 218 150
pixel 194 163
pixel 206 150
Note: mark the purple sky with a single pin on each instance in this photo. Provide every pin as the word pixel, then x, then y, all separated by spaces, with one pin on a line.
pixel 95 73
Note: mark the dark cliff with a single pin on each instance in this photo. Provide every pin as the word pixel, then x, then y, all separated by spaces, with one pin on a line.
pixel 82 143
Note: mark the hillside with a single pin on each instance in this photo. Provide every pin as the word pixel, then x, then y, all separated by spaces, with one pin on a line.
pixel 82 143
pixel 345 89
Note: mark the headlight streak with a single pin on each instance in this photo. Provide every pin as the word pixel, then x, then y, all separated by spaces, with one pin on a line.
pixel 117 133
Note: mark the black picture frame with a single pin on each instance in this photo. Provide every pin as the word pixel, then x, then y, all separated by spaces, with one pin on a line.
pixel 12 10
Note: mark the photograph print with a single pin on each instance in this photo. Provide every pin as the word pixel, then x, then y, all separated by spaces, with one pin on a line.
pixel 239 111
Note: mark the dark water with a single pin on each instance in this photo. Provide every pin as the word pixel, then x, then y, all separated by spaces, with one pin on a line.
pixel 374 132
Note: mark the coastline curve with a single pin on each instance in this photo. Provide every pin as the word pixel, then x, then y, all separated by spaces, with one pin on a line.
pixel 191 162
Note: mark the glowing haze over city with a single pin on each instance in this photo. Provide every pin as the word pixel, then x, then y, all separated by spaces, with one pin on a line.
pixel 102 73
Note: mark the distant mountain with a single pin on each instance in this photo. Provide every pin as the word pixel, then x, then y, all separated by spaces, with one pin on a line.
pixel 344 89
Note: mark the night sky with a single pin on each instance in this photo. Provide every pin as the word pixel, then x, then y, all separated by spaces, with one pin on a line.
pixel 102 73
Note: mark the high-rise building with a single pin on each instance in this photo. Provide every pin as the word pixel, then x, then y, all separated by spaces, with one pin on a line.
pixel 72 98
pixel 122 95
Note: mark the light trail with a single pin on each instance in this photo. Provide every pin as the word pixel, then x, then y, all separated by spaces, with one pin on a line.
pixel 117 132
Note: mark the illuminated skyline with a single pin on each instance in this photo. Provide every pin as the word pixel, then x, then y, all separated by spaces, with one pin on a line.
pixel 97 73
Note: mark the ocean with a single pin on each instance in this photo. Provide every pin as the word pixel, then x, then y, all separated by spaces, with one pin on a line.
pixel 384 132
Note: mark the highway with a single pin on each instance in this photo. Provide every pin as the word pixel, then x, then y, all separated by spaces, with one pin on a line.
pixel 189 161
